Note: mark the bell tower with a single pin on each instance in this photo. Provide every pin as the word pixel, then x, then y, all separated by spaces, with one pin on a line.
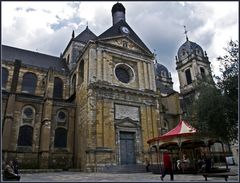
pixel 192 65
pixel 118 13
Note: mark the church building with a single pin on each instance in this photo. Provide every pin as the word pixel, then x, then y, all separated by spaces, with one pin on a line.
pixel 94 106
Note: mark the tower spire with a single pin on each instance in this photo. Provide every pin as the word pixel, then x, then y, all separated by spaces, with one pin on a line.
pixel 185 32
pixel 73 34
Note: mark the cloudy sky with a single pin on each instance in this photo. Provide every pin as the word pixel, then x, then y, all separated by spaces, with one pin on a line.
pixel 46 27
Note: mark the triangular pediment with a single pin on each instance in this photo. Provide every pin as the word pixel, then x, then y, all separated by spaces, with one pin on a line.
pixel 122 29
pixel 127 122
pixel 124 42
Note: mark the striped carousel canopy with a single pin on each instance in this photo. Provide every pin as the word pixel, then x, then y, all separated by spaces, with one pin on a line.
pixel 182 129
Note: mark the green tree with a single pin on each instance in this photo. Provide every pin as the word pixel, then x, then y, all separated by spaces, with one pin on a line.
pixel 216 107
pixel 211 112
pixel 228 84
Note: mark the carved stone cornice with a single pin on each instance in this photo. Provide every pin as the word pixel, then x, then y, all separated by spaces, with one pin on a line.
pixel 106 86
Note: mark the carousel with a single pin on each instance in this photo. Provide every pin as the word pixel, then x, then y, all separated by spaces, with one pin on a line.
pixel 190 152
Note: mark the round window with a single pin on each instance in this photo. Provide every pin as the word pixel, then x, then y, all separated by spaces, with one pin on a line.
pixel 61 116
pixel 28 112
pixel 124 73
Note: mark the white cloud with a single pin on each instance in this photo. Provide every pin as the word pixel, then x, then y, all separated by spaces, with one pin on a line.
pixel 47 26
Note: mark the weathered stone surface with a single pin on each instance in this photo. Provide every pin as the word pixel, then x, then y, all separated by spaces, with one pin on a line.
pixel 98 110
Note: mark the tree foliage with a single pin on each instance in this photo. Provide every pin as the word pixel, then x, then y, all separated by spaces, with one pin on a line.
pixel 211 112
pixel 217 105
pixel 228 83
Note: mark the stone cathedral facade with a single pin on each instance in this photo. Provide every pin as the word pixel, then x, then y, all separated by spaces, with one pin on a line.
pixel 96 105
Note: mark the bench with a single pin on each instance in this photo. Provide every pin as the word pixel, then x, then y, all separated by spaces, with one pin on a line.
pixel 222 174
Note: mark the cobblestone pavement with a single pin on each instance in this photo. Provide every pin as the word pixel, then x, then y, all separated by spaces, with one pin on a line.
pixel 109 177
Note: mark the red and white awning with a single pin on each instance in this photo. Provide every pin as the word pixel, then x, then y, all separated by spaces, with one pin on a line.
pixel 182 129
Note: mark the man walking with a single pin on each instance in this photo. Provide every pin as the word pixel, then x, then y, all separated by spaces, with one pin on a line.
pixel 167 164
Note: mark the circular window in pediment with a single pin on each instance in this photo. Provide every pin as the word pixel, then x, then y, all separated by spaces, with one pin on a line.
pixel 124 73
pixel 28 112
pixel 61 116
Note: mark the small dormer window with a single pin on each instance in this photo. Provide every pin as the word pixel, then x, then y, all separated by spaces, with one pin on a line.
pixel 163 73
pixel 125 44
pixel 183 52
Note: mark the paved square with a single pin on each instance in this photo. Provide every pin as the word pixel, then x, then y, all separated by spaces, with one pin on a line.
pixel 110 177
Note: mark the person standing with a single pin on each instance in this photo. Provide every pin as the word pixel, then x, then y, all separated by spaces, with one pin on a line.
pixel 167 164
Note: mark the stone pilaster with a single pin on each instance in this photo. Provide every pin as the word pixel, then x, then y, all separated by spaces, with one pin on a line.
pixel 45 134
pixel 104 67
pixel 92 65
pixel 145 71
pixel 45 143
pixel 99 64
pixel 8 124
pixel 150 79
pixel 140 75
pixel 10 108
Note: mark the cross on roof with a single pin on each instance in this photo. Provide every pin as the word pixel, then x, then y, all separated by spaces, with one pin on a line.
pixel 185 32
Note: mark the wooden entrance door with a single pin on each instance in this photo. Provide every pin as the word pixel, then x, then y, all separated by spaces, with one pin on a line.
pixel 127 148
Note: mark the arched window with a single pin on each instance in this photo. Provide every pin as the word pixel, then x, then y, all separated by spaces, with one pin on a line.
pixel 188 76
pixel 81 72
pixel 29 83
pixel 58 88
pixel 202 72
pixel 25 136
pixel 4 77
pixel 60 139
pixel 74 83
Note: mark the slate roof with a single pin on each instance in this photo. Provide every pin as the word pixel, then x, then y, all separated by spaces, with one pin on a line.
pixel 164 89
pixel 114 31
pixel 85 36
pixel 189 47
pixel 33 58
pixel 159 68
